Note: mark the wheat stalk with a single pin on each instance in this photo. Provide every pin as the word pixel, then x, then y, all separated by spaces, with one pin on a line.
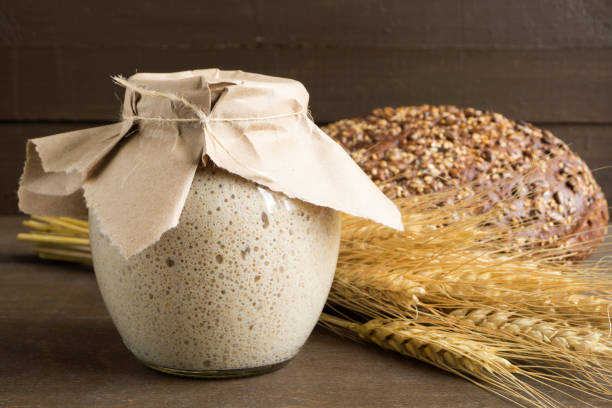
pixel 463 262
pixel 427 344
pixel 542 361
pixel 472 360
pixel 537 291
pixel 454 292
pixel 60 239
pixel 552 326
pixel 585 340
pixel 446 280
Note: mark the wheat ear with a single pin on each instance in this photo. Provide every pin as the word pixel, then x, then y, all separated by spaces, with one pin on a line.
pixel 565 337
pixel 472 360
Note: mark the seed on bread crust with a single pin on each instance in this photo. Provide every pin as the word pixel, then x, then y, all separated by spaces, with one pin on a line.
pixel 423 149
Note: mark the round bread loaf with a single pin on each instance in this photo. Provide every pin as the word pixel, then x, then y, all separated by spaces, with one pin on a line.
pixel 422 149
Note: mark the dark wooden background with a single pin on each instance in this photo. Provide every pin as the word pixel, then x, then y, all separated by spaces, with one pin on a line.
pixel 544 61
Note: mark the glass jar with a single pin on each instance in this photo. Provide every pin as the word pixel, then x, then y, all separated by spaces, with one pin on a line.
pixel 235 289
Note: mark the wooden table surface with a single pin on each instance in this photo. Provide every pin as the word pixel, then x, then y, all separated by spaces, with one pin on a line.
pixel 58 347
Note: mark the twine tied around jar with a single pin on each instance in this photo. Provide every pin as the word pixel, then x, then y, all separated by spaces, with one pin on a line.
pixel 202 117
pixel 136 184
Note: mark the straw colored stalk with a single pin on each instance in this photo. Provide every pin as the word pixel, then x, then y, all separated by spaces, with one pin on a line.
pixel 544 330
pixel 461 260
pixel 454 291
pixel 427 344
pixel 565 337
pixel 460 355
pixel 533 291
pixel 63 238
pixel 453 272
pixel 577 358
pixel 542 360
pixel 407 276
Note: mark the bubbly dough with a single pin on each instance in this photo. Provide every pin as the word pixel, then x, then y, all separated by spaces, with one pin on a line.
pixel 239 283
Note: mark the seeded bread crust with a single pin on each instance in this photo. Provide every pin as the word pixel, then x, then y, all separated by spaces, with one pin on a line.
pixel 422 149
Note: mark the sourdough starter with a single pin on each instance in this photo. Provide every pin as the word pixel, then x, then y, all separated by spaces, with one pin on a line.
pixel 239 283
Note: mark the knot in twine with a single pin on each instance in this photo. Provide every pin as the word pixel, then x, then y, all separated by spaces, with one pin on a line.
pixel 202 117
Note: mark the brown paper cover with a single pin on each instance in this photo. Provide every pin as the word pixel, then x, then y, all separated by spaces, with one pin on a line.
pixel 135 174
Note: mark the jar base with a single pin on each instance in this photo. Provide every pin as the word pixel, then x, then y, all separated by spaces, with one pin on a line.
pixel 219 374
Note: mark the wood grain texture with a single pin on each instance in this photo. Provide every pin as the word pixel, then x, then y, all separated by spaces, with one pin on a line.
pixel 543 61
pixel 207 24
pixel 592 142
pixel 535 85
pixel 60 349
